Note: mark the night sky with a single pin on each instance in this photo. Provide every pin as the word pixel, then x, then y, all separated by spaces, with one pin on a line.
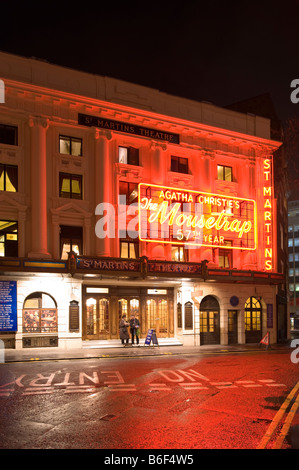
pixel 222 52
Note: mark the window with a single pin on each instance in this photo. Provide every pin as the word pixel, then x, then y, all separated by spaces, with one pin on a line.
pixel 224 173
pixel 225 256
pixel 8 238
pixel 179 164
pixel 129 190
pixel 39 314
pixel 128 155
pixel 129 249
pixel 70 145
pixel 70 240
pixel 8 134
pixel 8 178
pixel 294 257
pixel 70 186
pixel 179 253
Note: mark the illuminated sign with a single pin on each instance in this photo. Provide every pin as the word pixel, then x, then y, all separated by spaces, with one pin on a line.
pixel 268 214
pixel 185 217
pixel 128 128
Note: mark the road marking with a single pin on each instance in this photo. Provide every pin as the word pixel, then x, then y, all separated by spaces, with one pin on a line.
pixel 278 417
pixel 278 443
pixel 122 388
pixel 193 386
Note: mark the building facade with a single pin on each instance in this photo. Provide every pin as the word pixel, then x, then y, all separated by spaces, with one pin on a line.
pixel 116 198
pixel 294 266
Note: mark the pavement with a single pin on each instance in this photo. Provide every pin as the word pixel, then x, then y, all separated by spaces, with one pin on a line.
pixel 118 351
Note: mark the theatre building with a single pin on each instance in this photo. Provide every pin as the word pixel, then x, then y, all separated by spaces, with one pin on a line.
pixel 116 198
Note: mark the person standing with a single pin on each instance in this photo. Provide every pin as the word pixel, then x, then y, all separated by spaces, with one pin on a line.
pixel 137 326
pixel 134 324
pixel 123 330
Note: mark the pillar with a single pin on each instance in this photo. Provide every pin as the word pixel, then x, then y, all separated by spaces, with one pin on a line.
pixel 39 226
pixel 103 187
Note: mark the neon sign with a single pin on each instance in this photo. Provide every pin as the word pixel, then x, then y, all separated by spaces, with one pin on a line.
pixel 268 216
pixel 185 217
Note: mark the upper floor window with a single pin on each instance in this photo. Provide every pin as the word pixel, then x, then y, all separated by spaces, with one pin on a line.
pixel 70 240
pixel 179 253
pixel 70 145
pixel 224 173
pixel 8 238
pixel 128 155
pixel 179 164
pixel 70 186
pixel 226 256
pixel 129 249
pixel 8 178
pixel 8 134
pixel 129 190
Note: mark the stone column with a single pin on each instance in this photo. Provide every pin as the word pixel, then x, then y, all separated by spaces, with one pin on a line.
pixel 103 186
pixel 39 226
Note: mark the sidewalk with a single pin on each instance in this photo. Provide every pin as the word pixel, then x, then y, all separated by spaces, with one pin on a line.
pixel 119 351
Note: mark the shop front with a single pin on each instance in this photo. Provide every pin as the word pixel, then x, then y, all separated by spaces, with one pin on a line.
pixel 104 306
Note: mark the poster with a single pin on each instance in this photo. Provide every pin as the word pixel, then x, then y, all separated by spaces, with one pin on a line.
pixel 8 306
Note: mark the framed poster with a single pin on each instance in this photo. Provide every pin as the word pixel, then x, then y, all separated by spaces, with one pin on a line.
pixel 8 306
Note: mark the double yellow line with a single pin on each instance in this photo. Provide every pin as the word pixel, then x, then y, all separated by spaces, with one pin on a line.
pixel 278 418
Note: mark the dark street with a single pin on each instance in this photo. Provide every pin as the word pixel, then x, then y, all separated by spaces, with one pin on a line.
pixel 218 401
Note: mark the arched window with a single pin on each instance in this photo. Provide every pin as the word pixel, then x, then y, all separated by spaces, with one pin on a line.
pixel 253 320
pixel 40 313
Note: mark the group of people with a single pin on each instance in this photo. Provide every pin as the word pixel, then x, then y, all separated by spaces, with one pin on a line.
pixel 134 326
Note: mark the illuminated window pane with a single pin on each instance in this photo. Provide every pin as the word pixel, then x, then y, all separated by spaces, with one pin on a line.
pixel 70 145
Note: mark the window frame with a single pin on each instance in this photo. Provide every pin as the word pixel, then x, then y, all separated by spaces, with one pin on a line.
pixel 129 243
pixel 178 168
pixel 71 138
pixel 71 176
pixel 133 157
pixel 5 166
pixel 7 127
pixel 224 168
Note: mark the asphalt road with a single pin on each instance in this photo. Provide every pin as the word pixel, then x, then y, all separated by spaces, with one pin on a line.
pixel 224 401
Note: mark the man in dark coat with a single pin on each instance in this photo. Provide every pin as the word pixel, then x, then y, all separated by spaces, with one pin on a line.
pixel 134 325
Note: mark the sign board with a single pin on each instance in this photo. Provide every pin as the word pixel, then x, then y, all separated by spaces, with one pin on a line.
pixel 269 315
pixel 128 128
pixel 151 337
pixel 8 306
pixel 266 339
pixel 74 316
pixel 185 217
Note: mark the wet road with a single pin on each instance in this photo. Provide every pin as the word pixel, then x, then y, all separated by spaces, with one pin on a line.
pixel 227 401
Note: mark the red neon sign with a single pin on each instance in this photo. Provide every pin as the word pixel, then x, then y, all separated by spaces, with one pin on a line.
pixel 179 216
pixel 268 214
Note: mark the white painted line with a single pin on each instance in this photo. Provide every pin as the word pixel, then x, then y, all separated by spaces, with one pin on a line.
pixel 275 385
pixel 221 383
pixel 252 386
pixel 267 380
pixel 241 382
pixel 222 387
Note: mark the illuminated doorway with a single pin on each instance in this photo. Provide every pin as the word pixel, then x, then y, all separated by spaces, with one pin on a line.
pixel 97 320
pixel 157 316
pixel 209 321
pixel 253 320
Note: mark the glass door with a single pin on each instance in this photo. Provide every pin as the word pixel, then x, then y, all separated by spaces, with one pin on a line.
pixel 97 320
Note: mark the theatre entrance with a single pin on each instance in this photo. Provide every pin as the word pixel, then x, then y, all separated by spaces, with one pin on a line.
pixel 103 308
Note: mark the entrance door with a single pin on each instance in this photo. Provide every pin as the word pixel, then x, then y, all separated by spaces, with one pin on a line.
pixel 209 321
pixel 128 306
pixel 157 316
pixel 253 320
pixel 97 324
pixel 232 327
